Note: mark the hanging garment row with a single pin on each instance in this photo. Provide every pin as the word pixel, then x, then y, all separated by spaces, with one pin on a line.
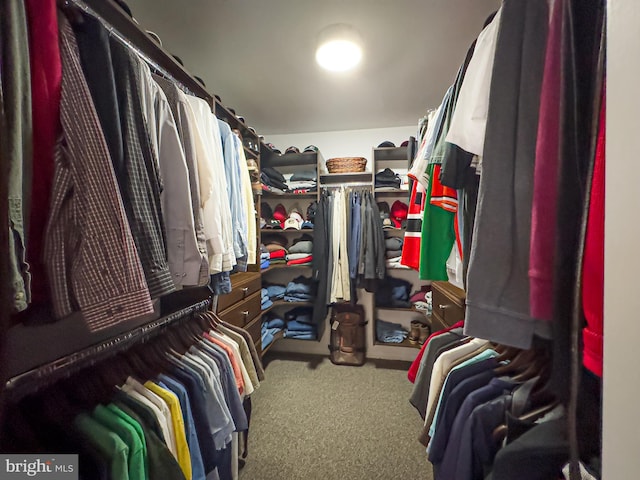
pixel 509 177
pixel 170 409
pixel 491 175
pixel 124 187
pixel 485 406
pixel 348 232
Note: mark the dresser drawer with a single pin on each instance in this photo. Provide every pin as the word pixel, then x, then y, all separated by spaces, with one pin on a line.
pixel 243 312
pixel 253 328
pixel 448 303
pixel 243 285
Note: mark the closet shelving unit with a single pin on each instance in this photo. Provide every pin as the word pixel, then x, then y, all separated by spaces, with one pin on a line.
pixel 397 159
pixel 282 273
pixel 39 351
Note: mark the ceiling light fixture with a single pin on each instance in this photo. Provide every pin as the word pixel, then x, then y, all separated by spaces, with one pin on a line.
pixel 339 48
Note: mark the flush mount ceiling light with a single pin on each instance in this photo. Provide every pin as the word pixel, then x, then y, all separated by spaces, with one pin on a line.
pixel 339 48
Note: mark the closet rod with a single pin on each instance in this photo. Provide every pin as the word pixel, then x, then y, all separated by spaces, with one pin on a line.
pixel 33 380
pixel 127 31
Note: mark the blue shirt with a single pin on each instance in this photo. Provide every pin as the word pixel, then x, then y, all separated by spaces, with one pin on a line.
pixel 452 404
pixel 449 466
pixel 197 467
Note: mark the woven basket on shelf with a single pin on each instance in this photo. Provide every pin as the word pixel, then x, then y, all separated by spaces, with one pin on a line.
pixel 346 164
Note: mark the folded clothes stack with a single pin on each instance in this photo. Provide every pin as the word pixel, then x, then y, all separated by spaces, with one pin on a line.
pixel 300 289
pixel 422 300
pixel 264 257
pixel 275 291
pixel 393 292
pixel 276 244
pixel 300 253
pixel 273 180
pixel 387 178
pixel 266 301
pixel 393 252
pixel 302 182
pixel 271 325
pixel 299 324
pixel 388 332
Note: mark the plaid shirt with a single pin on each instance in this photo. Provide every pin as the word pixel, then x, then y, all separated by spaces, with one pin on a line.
pixel 139 177
pixel 91 258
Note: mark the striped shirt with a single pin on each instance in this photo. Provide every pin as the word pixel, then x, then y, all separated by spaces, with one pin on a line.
pixel 91 259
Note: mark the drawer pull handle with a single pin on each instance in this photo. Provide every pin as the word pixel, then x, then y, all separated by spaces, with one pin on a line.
pixel 245 314
pixel 245 290
pixel 442 307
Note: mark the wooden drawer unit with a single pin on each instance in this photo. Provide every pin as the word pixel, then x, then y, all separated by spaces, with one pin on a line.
pixel 243 312
pixel 243 286
pixel 253 327
pixel 448 305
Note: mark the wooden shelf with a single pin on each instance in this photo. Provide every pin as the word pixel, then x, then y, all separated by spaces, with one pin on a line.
pixel 276 337
pixel 280 266
pixel 405 343
pixel 289 230
pixel 281 303
pixel 250 153
pixel 396 192
pixel 386 154
pixel 331 179
pixel 400 309
pixel 267 193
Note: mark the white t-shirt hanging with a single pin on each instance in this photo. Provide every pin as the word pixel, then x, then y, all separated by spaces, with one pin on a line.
pixel 469 119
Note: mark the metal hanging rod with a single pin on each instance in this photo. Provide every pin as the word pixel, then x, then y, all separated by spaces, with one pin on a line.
pixel 37 378
pixel 199 90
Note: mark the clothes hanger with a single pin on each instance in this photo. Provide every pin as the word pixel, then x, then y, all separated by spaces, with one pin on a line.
pixel 533 370
pixel 521 361
pixel 507 353
pixel 72 12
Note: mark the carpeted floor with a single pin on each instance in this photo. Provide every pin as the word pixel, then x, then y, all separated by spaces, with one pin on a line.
pixel 315 420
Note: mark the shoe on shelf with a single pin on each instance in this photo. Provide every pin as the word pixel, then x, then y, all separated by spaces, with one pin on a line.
pixel 414 335
pixel 425 331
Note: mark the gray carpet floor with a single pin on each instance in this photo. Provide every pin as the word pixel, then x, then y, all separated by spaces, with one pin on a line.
pixel 315 420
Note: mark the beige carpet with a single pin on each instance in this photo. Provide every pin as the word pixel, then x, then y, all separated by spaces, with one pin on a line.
pixel 315 420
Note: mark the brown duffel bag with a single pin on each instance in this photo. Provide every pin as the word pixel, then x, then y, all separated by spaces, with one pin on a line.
pixel 347 345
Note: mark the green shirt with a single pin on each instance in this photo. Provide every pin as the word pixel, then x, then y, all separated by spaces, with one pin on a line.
pixel 137 451
pixel 107 443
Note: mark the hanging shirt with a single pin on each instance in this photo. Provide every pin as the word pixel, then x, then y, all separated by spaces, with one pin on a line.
pixel 180 391
pixel 183 117
pixel 103 277
pixel 108 443
pixel 182 246
pixel 250 212
pixel 469 119
pixel 137 458
pixel 177 419
pixel 160 409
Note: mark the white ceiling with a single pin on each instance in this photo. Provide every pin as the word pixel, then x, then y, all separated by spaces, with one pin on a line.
pixel 258 55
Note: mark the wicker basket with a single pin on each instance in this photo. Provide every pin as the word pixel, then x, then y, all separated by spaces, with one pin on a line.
pixel 346 164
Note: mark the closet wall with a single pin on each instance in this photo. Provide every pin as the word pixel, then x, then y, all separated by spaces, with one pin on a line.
pixel 622 262
pixel 340 144
pixel 346 143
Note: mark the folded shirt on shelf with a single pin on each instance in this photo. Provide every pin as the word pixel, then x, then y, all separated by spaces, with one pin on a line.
pixel 301 335
pixel 395 264
pixel 393 243
pixel 273 321
pixel 275 292
pixel 297 326
pixel 299 297
pixel 303 246
pixel 393 292
pixel 265 264
pixel 300 314
pixel 393 254
pixel 276 254
pixel 389 332
pixel 307 259
pixel 388 178
pixel 304 176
